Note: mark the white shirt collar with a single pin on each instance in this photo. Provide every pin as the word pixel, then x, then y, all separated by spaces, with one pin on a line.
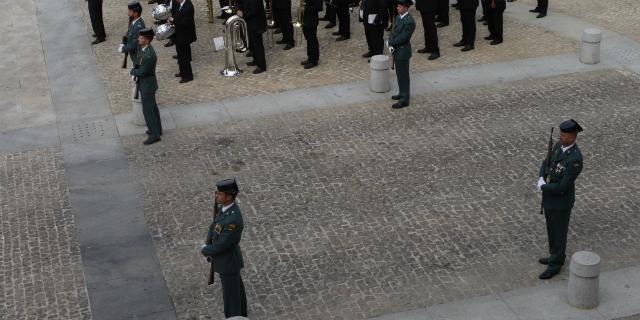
pixel 181 4
pixel 402 15
pixel 227 207
pixel 134 21
pixel 564 149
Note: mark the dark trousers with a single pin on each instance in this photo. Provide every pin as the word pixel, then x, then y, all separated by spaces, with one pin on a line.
pixel 313 47
pixel 342 11
pixel 468 20
pixel 486 5
pixel 233 295
pixel 151 113
pixel 257 48
pixel 495 22
pixel 375 37
pixel 430 31
pixel 402 73
pixel 95 13
pixel 543 5
pixel 184 60
pixel 330 14
pixel 557 228
pixel 283 20
pixel 443 11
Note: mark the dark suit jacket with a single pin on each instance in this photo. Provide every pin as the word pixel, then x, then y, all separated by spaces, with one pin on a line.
pixel 377 7
pixel 225 234
pixel 146 71
pixel 253 14
pixel 468 4
pixel 184 23
pixel 427 5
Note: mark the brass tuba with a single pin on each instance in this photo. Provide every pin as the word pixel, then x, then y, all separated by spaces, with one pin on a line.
pixel 235 39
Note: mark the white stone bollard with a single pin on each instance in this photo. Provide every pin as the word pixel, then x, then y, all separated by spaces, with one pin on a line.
pixel 582 291
pixel 137 117
pixel 379 75
pixel 590 49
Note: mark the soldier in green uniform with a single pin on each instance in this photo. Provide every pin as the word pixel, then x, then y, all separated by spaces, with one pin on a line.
pixel 558 194
pixel 130 41
pixel 144 73
pixel 400 46
pixel 224 249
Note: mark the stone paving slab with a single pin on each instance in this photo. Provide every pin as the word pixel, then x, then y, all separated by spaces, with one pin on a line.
pixel 340 62
pixel 358 211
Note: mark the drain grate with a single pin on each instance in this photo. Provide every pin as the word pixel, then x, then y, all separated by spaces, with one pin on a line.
pixel 88 130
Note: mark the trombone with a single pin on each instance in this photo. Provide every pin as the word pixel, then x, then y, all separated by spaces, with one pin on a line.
pixel 297 25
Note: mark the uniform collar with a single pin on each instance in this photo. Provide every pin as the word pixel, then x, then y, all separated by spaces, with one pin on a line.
pixel 224 209
pixel 403 15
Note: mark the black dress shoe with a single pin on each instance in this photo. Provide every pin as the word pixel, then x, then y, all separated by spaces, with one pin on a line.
pixel 94 35
pixel 175 56
pixel 98 40
pixel 485 23
pixel 434 55
pixel 395 97
pixel 459 44
pixel 259 70
pixel 399 105
pixel 488 38
pixel 311 64
pixel 367 55
pixel 544 261
pixel 288 46
pixel 534 10
pixel 495 42
pixel 337 33
pixel 168 44
pixel 151 140
pixel 249 54
pixel 541 15
pixel 277 31
pixel 323 18
pixel 185 80
pixel 251 63
pixel 304 62
pixel 440 25
pixel 388 28
pixel 177 75
pixel 423 50
pixel 548 274
pixel 342 38
pixel 482 19
pixel 330 25
pixel 467 48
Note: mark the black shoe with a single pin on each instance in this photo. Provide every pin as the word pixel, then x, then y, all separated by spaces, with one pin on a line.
pixel 178 75
pixel 323 18
pixel 485 23
pixel 342 38
pixel 175 56
pixel 495 42
pixel 151 140
pixel 544 261
pixel 455 5
pixel 98 40
pixel 534 10
pixel 511 0
pixel 459 44
pixel 434 55
pixel 277 31
pixel 399 105
pixel 281 42
pixel 423 50
pixel 251 63
pixel 185 80
pixel 395 97
pixel 441 25
pixel 249 54
pixel 304 62
pixel 149 132
pixel 388 28
pixel 168 44
pixel 259 70
pixel 337 33
pixel 367 55
pixel 488 38
pixel 94 35
pixel 467 48
pixel 311 64
pixel 548 274
pixel 541 15
pixel 482 19
pixel 330 25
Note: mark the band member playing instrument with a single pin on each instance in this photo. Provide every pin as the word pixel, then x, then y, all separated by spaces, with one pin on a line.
pixel 344 27
pixel 373 14
pixel 253 13
pixel 310 31
pixel 185 34
pixel 281 10
pixel 144 73
pixel 130 43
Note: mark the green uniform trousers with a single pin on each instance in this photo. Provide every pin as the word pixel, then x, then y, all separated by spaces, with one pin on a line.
pixel 402 72
pixel 233 295
pixel 557 228
pixel 151 114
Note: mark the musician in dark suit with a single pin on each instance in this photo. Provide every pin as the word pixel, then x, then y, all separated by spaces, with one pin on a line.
pixel 400 46
pixel 428 10
pixel 95 13
pixel 252 11
pixel 344 25
pixel 541 8
pixel 310 31
pixel 494 20
pixel 185 34
pixel 282 16
pixel 443 13
pixel 468 19
pixel 329 14
pixel 374 28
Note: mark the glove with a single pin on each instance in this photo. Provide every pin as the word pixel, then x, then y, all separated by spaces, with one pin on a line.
pixel 541 183
pixel 204 245
pixel 120 47
pixel 386 43
pixel 133 79
pixel 391 49
pixel 209 259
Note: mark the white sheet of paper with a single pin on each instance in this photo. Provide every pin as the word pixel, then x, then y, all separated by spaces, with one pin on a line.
pixel 371 18
pixel 361 13
pixel 218 43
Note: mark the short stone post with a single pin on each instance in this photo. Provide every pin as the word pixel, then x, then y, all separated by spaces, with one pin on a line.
pixel 590 49
pixel 379 75
pixel 137 117
pixel 582 291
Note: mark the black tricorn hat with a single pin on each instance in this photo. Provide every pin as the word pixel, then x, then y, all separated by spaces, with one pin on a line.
pixel 227 186
pixel 146 32
pixel 570 126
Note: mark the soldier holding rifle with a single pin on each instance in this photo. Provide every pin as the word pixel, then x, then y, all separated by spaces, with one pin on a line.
pixel 557 183
pixel 129 44
pixel 222 248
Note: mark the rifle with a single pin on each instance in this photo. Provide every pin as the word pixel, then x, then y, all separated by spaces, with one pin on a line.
pixel 216 210
pixel 547 166
pixel 124 41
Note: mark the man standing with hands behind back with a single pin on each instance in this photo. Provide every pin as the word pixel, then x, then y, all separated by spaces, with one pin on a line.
pixel 252 11
pixel 185 34
pixel 400 46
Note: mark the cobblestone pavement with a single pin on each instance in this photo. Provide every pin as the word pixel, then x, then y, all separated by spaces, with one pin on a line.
pixel 622 16
pixel 358 211
pixel 340 61
pixel 40 269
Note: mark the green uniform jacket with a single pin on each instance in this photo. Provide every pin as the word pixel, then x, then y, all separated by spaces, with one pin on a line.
pixel 132 40
pixel 400 38
pixel 225 233
pixel 145 70
pixel 560 192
